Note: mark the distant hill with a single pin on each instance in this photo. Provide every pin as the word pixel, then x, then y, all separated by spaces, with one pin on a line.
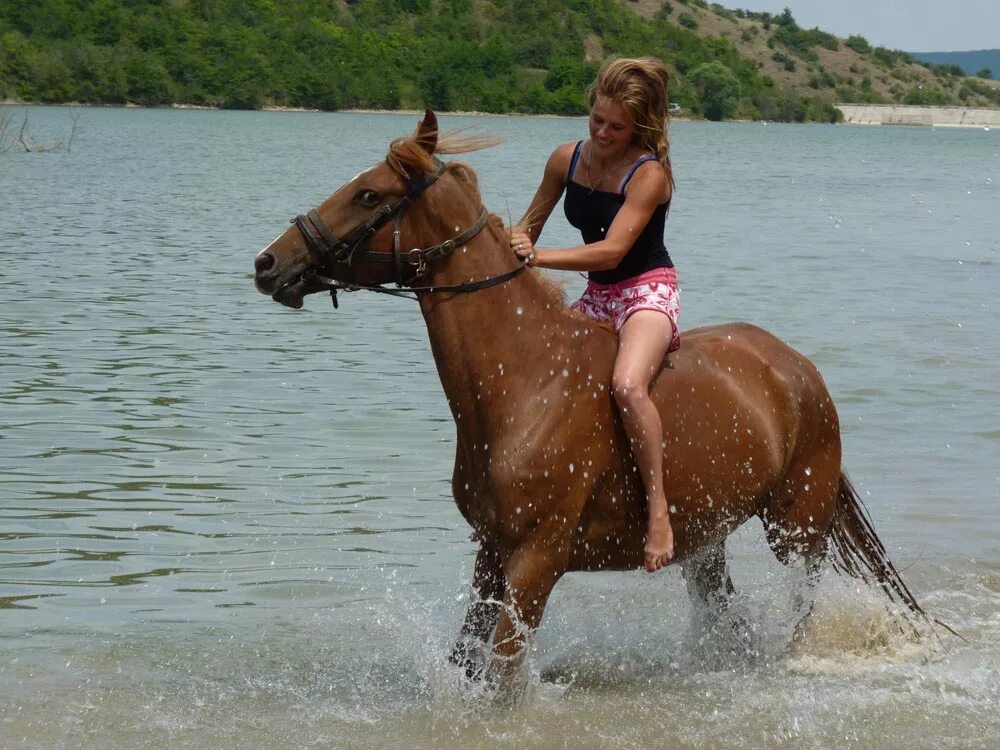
pixel 970 62
pixel 823 67
pixel 531 56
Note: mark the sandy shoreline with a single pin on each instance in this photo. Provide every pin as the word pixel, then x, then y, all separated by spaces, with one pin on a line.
pixel 271 108
pixel 854 114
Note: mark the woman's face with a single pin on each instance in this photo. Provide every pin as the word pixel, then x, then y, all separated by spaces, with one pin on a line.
pixel 611 128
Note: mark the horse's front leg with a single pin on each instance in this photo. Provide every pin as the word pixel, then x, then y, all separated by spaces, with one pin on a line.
pixel 708 583
pixel 531 572
pixel 482 614
pixel 711 592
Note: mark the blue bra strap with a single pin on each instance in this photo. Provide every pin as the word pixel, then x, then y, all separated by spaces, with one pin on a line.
pixel 638 162
pixel 576 158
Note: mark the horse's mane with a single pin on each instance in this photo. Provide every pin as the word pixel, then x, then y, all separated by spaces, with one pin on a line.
pixel 408 155
pixel 552 290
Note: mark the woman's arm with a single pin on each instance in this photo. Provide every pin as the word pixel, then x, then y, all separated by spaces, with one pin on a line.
pixel 548 193
pixel 646 191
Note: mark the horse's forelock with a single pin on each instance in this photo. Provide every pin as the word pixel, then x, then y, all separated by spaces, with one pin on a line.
pixel 408 157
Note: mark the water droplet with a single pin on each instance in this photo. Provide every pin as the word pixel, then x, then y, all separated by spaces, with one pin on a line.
pixel 520 310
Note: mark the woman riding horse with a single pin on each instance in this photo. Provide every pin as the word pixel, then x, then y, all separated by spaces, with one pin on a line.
pixel 618 186
pixel 543 472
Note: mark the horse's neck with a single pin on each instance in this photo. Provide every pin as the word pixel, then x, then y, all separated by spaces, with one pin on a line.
pixel 521 305
pixel 482 340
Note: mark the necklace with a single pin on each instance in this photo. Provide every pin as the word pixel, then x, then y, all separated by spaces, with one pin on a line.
pixel 607 173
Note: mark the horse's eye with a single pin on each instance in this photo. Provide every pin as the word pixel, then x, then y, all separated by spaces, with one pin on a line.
pixel 367 197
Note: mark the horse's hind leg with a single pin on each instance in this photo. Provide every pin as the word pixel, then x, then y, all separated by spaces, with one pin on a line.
pixel 798 518
pixel 812 577
pixel 482 615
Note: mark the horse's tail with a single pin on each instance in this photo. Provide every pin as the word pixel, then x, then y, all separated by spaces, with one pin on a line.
pixel 859 552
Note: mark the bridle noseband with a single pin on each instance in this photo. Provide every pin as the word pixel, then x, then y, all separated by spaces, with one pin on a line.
pixel 327 249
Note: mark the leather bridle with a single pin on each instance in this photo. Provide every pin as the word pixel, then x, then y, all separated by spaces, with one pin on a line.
pixel 326 249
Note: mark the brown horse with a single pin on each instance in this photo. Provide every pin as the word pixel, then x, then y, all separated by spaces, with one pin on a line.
pixel 543 470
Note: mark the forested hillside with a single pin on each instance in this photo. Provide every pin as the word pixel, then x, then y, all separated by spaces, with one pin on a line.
pixel 533 56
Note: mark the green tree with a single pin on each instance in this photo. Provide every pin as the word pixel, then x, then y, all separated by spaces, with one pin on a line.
pixel 717 87
pixel 51 78
pixel 147 79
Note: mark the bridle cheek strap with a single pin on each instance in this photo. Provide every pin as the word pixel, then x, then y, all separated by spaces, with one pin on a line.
pixel 326 248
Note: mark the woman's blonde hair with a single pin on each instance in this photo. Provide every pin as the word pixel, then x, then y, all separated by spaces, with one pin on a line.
pixel 639 84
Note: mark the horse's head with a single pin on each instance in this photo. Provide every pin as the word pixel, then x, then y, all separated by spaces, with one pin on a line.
pixel 353 237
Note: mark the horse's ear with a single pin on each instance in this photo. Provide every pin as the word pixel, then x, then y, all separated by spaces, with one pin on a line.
pixel 427 132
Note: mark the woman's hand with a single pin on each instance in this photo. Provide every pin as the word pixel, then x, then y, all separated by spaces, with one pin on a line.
pixel 522 246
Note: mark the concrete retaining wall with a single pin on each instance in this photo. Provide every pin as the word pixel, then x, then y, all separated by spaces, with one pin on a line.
pixel 899 114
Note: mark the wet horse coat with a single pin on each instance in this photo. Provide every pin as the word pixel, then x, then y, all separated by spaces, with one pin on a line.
pixel 543 471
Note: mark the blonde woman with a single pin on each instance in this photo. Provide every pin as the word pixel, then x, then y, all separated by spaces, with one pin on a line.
pixel 618 185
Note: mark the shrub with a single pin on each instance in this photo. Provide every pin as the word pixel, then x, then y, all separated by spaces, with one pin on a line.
pixel 723 12
pixel 890 57
pixel 859 44
pixel 822 80
pixel 802 42
pixel 924 95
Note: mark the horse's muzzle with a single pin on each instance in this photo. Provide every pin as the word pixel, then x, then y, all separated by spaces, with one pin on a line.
pixel 264 272
pixel 283 287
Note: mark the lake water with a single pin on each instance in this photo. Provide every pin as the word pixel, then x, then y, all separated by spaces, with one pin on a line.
pixel 228 524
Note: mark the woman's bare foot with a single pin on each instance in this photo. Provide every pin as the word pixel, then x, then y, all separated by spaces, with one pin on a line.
pixel 659 549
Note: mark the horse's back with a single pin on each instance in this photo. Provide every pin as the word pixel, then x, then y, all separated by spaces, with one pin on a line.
pixel 740 356
pixel 740 408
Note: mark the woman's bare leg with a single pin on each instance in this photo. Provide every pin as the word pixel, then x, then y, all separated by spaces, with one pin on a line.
pixel 643 343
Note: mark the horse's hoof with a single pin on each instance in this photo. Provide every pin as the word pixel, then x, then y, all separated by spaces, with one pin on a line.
pixel 469 658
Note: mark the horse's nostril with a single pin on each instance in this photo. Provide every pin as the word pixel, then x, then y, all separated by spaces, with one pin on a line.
pixel 263 262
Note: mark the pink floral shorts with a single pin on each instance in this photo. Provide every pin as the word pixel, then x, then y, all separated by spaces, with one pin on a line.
pixel 652 290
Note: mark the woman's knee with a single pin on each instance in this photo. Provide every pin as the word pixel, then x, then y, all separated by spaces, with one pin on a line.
pixel 629 388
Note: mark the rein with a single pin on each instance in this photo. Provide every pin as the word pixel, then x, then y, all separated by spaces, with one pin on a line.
pixel 411 292
pixel 326 248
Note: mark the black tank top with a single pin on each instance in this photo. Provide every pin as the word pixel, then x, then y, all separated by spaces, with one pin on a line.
pixel 592 211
